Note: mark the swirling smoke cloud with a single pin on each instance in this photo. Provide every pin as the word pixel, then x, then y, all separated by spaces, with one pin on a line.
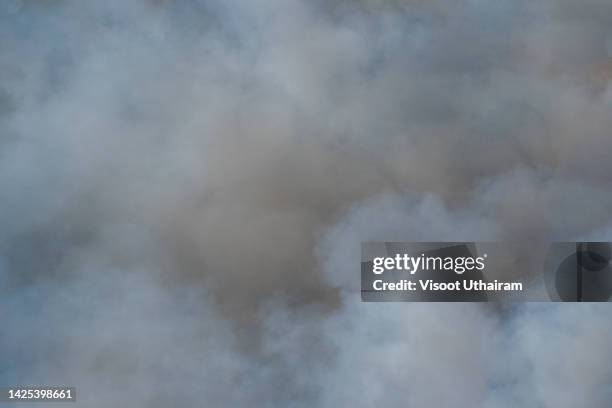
pixel 184 187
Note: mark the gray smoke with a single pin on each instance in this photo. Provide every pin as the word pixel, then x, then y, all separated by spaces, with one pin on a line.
pixel 184 187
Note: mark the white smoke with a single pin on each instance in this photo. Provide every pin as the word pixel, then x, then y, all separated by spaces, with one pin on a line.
pixel 184 186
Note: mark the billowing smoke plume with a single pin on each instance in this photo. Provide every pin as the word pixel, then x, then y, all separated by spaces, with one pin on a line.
pixel 184 187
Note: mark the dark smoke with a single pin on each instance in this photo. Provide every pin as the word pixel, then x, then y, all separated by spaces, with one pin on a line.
pixel 184 187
